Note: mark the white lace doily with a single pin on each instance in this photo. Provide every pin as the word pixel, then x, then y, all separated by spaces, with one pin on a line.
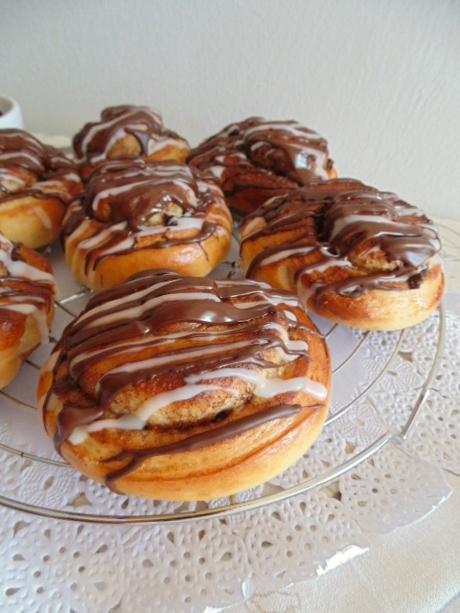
pixel 52 565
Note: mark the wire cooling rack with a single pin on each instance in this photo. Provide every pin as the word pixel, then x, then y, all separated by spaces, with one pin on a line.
pixel 62 493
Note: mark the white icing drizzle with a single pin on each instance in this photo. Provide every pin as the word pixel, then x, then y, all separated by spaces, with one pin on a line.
pixel 22 302
pixel 127 422
pixel 137 311
pixel 156 141
pixel 285 127
pixel 100 237
pixel 170 175
pixel 43 217
pixel 264 387
pixel 217 171
pixel 13 154
pixel 103 125
pixel 323 265
pixel 29 308
pixel 161 143
pixel 181 224
pixel 96 240
pixel 6 175
pixel 179 356
pixel 110 304
pixel 134 345
pixel 252 226
pixel 282 255
pixel 305 293
pixel 138 420
pixel 81 229
pixel 19 268
pixel 277 300
pixel 200 344
pixel 291 345
pixel 342 223
pixel 239 140
pixel 71 209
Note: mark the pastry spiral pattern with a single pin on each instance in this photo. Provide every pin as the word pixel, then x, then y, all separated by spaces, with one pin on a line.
pixel 182 388
pixel 127 132
pixel 27 291
pixel 36 184
pixel 256 159
pixel 136 215
pixel 355 255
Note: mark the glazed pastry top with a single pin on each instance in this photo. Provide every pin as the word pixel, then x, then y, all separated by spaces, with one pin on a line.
pixel 27 167
pixel 95 139
pixel 284 148
pixel 24 287
pixel 376 238
pixel 189 335
pixel 144 193
pixel 144 204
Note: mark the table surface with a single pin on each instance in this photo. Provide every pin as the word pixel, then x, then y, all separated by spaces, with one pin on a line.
pixel 416 569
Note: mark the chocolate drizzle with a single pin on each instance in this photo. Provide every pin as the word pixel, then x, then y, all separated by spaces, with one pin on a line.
pixel 87 335
pixel 30 169
pixel 72 416
pixel 25 289
pixel 136 190
pixel 262 159
pixel 17 148
pixel 138 204
pixel 204 439
pixel 159 328
pixel 95 140
pixel 336 225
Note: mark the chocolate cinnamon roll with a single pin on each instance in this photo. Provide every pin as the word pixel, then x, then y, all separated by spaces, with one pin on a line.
pixel 136 215
pixel 27 291
pixel 180 388
pixel 36 184
pixel 127 132
pixel 256 159
pixel 355 255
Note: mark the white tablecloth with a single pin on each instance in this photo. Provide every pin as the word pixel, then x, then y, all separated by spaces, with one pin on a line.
pixel 414 570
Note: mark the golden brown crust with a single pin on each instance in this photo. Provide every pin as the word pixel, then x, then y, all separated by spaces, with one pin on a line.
pixel 26 306
pixel 377 310
pixel 36 184
pixel 355 256
pixel 244 469
pixel 33 221
pixel 182 454
pixel 256 159
pixel 184 224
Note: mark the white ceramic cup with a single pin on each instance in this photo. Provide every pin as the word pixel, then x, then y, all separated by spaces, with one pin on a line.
pixel 10 113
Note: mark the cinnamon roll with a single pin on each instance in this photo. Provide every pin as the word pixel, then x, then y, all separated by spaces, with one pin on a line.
pixel 27 291
pixel 256 159
pixel 135 215
pixel 180 388
pixel 127 132
pixel 357 256
pixel 36 184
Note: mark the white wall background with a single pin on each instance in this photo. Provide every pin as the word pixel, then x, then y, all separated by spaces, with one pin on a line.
pixel 380 79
